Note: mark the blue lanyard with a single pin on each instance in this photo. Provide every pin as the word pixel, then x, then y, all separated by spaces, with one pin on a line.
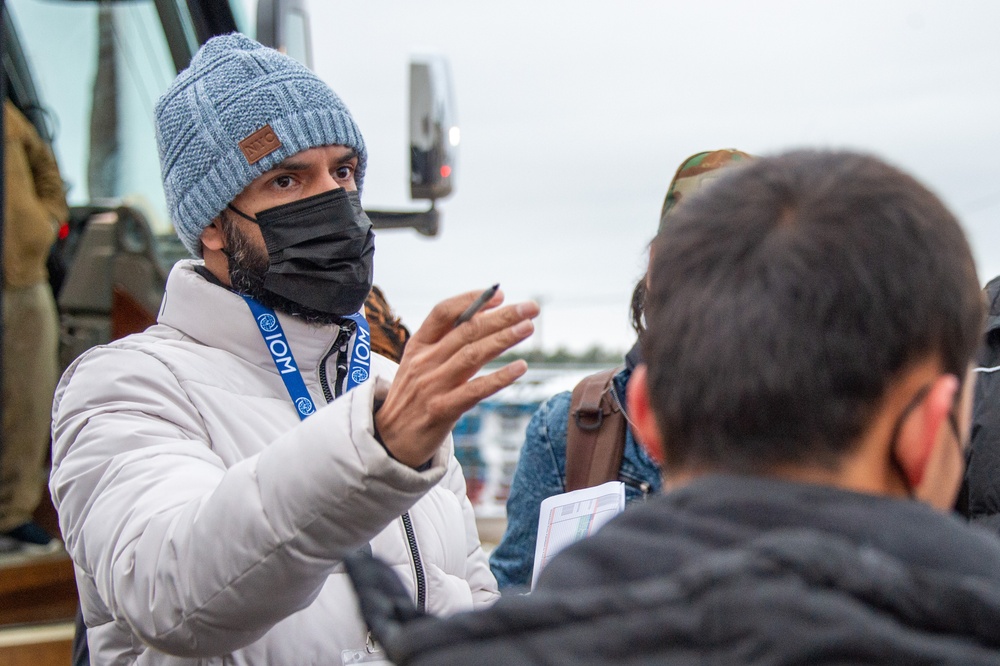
pixel 288 369
pixel 360 365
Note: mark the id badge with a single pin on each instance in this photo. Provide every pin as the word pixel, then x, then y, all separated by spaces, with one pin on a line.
pixel 371 655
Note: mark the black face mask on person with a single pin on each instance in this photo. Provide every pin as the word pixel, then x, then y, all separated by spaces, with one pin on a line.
pixel 319 263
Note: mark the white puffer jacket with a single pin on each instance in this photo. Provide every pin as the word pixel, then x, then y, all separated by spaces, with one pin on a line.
pixel 208 523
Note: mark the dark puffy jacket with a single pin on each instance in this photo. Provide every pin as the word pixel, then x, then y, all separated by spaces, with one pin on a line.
pixel 736 570
pixel 981 491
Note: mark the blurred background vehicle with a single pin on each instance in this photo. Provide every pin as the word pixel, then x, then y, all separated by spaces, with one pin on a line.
pixel 87 74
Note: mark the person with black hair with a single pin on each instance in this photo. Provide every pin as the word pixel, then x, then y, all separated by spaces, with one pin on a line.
pixel 546 466
pixel 810 323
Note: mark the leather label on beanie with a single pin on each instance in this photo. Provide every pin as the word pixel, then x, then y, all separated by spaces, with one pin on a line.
pixel 260 144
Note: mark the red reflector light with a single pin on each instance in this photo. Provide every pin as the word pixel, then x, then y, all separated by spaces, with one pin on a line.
pixel 63 230
pixel 445 171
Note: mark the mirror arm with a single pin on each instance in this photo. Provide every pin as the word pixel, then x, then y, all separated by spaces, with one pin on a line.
pixel 425 222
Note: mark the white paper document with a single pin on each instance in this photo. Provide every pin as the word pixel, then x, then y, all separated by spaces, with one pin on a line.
pixel 569 517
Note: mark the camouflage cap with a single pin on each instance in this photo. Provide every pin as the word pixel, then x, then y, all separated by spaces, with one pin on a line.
pixel 694 172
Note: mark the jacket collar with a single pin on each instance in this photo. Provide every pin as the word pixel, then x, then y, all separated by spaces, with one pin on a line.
pixel 217 317
pixel 633 357
pixel 906 529
pixel 993 303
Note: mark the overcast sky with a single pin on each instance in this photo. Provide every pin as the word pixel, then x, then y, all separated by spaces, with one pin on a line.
pixel 575 114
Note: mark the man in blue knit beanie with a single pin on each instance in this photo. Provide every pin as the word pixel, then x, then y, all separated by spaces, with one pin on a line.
pixel 212 472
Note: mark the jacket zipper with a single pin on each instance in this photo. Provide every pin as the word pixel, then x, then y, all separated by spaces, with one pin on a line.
pixel 642 486
pixel 418 565
pixel 340 344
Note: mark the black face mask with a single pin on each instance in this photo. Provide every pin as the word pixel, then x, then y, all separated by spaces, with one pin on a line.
pixel 320 252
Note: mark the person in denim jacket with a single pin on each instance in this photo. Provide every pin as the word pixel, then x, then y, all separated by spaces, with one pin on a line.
pixel 541 473
pixel 541 467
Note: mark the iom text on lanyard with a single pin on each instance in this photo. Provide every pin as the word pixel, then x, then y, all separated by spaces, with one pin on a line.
pixel 277 344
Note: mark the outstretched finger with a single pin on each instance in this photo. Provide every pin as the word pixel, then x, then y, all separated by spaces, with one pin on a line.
pixel 487 325
pixel 443 316
pixel 468 395
pixel 460 360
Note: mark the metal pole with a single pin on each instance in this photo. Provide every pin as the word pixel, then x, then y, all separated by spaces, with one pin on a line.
pixel 426 222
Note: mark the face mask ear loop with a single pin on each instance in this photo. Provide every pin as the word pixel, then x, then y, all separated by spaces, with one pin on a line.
pixel 241 213
pixel 894 461
pixel 225 250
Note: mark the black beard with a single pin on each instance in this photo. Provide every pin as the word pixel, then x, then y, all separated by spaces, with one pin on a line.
pixel 247 268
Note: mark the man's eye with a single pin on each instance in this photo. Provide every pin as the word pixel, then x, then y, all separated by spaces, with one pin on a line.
pixel 344 172
pixel 283 181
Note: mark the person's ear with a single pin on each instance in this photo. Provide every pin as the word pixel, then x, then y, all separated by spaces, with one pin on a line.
pixel 213 251
pixel 212 237
pixel 924 441
pixel 640 411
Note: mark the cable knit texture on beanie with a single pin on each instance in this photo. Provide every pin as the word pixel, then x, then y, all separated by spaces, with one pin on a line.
pixel 234 88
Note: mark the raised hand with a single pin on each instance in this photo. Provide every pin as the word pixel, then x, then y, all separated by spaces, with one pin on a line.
pixel 436 381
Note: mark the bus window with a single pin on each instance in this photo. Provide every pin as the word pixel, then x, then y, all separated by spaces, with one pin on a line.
pixel 297 37
pixel 98 70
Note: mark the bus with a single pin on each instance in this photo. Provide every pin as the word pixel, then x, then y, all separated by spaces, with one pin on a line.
pixel 87 74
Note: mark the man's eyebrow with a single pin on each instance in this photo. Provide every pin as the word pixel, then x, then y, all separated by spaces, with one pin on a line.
pixel 291 164
pixel 349 156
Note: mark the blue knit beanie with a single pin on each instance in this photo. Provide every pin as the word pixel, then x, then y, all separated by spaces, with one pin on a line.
pixel 238 110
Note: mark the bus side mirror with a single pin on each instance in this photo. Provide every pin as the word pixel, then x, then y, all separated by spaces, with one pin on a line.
pixel 434 130
pixel 284 25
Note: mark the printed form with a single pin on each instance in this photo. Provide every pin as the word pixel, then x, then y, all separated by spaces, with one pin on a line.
pixel 569 517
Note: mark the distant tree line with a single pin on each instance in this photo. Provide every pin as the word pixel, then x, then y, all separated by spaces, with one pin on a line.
pixel 595 355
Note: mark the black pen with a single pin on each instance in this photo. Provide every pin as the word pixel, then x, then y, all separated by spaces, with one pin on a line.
pixel 477 304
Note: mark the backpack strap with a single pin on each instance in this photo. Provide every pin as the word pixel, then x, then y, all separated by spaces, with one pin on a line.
pixel 595 434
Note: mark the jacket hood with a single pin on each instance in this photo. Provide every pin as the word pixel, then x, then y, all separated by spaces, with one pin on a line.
pixel 745 570
pixel 791 596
